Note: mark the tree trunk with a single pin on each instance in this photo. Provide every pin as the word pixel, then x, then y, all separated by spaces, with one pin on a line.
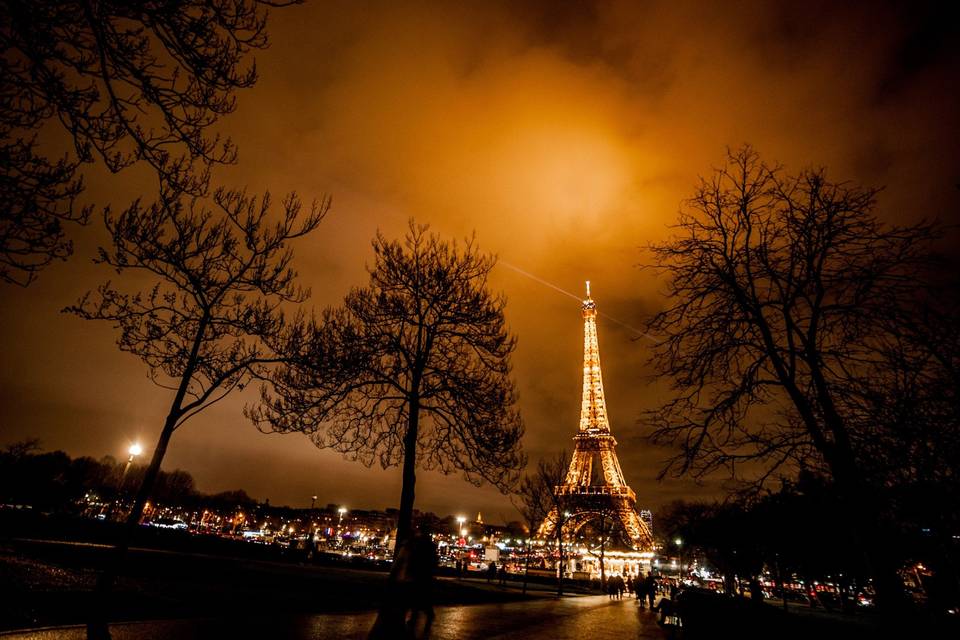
pixel 408 488
pixel 526 567
pixel 603 570
pixel 97 627
pixel 560 563
pixel 390 622
pixel 780 582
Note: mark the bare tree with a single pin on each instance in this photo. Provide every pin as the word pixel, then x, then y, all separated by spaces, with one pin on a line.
pixel 411 370
pixel 543 503
pixel 212 318
pixel 776 286
pixel 127 82
pixel 603 523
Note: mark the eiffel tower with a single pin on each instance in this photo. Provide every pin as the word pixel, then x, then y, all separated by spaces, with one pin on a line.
pixel 594 483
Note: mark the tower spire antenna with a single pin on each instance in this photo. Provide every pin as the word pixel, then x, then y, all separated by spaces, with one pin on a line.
pixel 588 289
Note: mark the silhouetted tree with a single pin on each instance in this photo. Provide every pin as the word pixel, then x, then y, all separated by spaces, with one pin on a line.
pixel 127 81
pixel 602 527
pixel 542 502
pixel 210 314
pixel 778 290
pixel 412 370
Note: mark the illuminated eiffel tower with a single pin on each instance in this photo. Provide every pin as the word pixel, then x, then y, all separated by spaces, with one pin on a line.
pixel 594 483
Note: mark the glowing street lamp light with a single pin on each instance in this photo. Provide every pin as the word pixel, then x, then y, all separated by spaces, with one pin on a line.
pixel 679 543
pixel 460 521
pixel 134 451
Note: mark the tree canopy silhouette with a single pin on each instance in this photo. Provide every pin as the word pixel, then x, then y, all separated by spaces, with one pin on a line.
pixel 209 316
pixel 541 502
pixel 127 82
pixel 781 290
pixel 411 370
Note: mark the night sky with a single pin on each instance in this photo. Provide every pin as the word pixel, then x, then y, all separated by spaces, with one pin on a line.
pixel 566 137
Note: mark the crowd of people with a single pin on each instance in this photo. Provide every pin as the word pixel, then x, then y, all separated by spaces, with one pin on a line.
pixel 645 589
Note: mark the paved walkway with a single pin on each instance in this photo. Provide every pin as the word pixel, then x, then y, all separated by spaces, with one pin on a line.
pixel 593 617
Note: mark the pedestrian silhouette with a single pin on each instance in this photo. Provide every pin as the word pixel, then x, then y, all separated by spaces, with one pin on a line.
pixel 650 588
pixel 639 589
pixel 491 571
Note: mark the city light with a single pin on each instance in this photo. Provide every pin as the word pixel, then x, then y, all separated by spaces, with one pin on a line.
pixel 135 449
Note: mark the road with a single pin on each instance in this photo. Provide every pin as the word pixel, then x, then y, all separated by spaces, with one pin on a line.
pixel 593 617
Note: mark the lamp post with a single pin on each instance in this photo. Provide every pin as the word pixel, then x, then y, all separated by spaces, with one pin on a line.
pixel 341 511
pixel 679 543
pixel 133 451
pixel 463 562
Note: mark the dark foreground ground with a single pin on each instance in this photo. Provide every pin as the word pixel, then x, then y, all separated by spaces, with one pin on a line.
pixel 51 583
pixel 171 593
pixel 592 617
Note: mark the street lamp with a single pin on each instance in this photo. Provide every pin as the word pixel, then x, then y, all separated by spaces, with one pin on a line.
pixel 679 543
pixel 134 450
pixel 341 511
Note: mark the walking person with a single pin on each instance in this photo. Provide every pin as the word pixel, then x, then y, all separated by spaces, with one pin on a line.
pixel 650 588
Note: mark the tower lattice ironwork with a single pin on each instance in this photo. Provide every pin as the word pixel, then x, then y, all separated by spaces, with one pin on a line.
pixel 594 483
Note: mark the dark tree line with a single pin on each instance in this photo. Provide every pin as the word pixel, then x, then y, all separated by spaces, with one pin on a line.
pixel 799 532
pixel 53 481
